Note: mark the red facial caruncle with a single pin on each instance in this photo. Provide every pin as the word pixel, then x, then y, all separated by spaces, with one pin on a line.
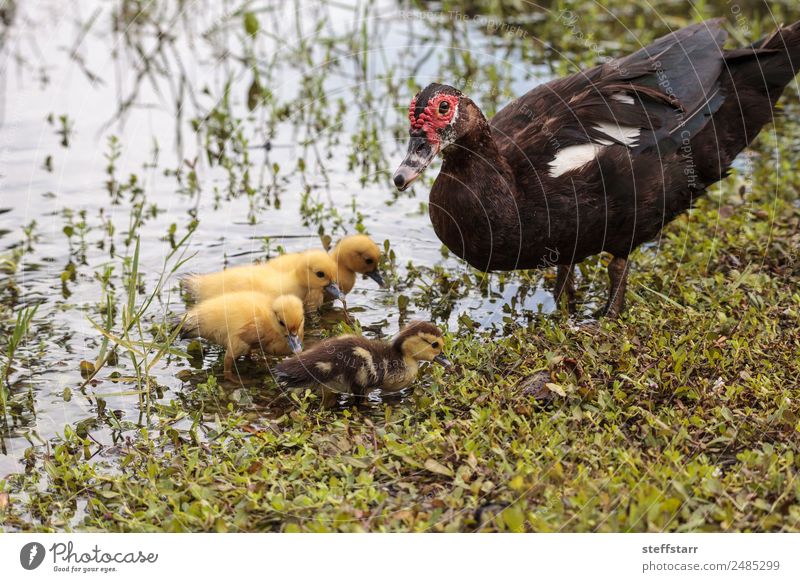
pixel 435 116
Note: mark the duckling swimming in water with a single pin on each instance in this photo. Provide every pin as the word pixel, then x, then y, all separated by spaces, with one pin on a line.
pixel 244 320
pixel 299 275
pixel 355 365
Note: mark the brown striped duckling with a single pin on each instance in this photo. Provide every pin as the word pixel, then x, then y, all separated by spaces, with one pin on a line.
pixel 244 320
pixel 356 365
pixel 299 275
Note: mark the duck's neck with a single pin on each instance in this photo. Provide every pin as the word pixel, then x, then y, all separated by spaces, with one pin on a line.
pixel 346 277
pixel 476 157
pixel 478 143
pixel 474 202
pixel 411 368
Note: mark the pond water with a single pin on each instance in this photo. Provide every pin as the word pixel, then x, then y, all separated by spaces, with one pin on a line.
pixel 218 133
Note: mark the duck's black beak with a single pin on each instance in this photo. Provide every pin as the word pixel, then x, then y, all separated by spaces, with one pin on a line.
pixel 440 359
pixel 294 343
pixel 377 277
pixel 420 155
pixel 333 290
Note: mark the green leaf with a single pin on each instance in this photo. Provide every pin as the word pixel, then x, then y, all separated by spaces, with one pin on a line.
pixel 251 24
pixel 514 518
pixel 253 95
pixel 86 367
pixel 402 302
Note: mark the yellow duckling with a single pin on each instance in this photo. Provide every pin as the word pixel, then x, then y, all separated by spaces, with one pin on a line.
pixel 356 254
pixel 244 320
pixel 355 365
pixel 299 275
pixel 353 254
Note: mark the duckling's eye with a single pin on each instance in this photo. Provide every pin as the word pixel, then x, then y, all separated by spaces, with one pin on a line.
pixel 282 324
pixel 434 344
pixel 444 107
pixel 320 274
pixel 369 261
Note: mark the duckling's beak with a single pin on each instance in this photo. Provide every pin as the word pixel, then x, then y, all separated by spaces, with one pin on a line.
pixel 294 342
pixel 333 290
pixel 377 277
pixel 420 155
pixel 440 359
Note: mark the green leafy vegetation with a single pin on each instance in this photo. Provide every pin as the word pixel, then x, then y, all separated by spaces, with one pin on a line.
pixel 683 415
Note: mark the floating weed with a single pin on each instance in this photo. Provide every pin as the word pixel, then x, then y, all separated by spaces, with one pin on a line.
pixel 64 128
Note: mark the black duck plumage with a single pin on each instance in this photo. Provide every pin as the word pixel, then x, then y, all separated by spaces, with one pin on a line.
pixel 659 127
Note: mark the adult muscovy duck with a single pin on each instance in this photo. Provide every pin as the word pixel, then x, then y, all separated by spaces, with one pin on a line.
pixel 597 161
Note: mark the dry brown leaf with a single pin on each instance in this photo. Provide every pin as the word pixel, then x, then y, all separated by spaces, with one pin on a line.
pixel 435 466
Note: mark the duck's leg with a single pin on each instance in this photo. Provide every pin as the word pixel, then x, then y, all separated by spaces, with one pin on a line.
pixel 618 282
pixel 565 283
pixel 236 348
pixel 228 367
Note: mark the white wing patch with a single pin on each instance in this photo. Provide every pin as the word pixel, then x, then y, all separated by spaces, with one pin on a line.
pixel 623 98
pixel 627 135
pixel 577 156
pixel 573 157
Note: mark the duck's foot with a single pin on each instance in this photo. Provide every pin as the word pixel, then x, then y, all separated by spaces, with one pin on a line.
pixel 618 283
pixel 565 286
pixel 230 372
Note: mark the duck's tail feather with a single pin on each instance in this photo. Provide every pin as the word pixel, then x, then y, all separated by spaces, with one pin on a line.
pixel 301 369
pixel 752 81
pixel 769 64
pixel 189 324
pixel 287 380
pixel 292 372
pixel 189 284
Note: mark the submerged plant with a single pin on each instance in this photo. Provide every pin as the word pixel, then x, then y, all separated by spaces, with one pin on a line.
pixel 18 333
pixel 143 351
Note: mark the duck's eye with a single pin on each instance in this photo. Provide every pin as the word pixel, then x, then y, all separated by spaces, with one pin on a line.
pixel 444 107
pixel 434 344
pixel 320 274
pixel 282 324
pixel 369 261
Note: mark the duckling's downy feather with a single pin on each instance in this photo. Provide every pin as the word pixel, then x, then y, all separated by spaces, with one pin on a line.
pixel 354 364
pixel 298 274
pixel 244 320
pixel 345 361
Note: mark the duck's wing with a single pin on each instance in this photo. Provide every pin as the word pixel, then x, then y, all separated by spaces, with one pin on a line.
pixel 661 95
pixel 350 361
pixel 259 332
